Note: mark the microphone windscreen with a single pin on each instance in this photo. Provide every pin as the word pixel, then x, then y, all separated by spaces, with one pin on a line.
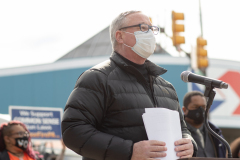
pixel 184 75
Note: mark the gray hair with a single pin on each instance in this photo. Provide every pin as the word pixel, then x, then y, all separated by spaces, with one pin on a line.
pixel 118 23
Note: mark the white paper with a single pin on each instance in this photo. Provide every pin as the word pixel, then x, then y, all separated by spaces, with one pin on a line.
pixel 163 125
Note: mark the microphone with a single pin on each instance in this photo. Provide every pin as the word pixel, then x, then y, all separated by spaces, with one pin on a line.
pixel 188 76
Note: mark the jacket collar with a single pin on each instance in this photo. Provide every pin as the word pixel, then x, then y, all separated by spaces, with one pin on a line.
pixel 215 128
pixel 212 126
pixel 153 69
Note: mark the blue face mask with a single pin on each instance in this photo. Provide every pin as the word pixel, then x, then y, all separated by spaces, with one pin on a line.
pixel 145 43
pixel 22 143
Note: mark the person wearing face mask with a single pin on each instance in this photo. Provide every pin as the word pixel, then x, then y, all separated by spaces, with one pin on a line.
pixel 14 142
pixel 194 105
pixel 103 115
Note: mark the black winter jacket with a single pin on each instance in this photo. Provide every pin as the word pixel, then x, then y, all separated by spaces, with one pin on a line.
pixel 103 115
pixel 4 155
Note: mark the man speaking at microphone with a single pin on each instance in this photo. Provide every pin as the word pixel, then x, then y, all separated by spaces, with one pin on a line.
pixel 103 116
pixel 194 105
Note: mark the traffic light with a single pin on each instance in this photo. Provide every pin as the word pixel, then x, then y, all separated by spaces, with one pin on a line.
pixel 202 60
pixel 176 28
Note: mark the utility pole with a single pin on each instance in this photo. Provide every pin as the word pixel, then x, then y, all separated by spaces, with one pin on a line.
pixel 200 15
pixel 200 39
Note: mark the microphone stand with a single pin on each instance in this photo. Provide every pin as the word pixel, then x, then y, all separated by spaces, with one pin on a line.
pixel 210 94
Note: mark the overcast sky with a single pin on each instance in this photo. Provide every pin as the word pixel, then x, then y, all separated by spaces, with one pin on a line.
pixel 37 32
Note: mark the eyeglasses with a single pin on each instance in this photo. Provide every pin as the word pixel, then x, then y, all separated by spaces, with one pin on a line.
pixel 145 28
pixel 21 134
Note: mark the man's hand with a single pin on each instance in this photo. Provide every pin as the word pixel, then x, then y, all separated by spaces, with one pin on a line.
pixel 148 150
pixel 184 147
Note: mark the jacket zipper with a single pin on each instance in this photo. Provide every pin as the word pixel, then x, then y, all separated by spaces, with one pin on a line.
pixel 144 83
pixel 152 89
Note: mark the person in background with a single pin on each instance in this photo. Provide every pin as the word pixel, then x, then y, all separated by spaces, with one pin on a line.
pixel 35 147
pixel 194 106
pixel 53 156
pixel 61 155
pixel 235 148
pixel 15 142
pixel 103 115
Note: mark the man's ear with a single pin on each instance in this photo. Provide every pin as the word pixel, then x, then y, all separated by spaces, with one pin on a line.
pixel 184 110
pixel 119 37
pixel 6 139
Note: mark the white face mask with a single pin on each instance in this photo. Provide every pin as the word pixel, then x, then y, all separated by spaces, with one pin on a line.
pixel 145 43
